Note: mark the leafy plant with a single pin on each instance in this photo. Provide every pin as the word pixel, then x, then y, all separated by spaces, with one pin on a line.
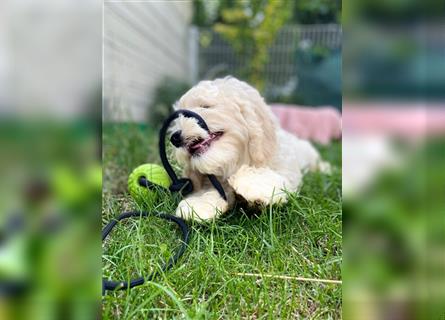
pixel 251 27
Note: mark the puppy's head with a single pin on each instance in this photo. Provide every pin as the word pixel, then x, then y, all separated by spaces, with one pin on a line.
pixel 242 128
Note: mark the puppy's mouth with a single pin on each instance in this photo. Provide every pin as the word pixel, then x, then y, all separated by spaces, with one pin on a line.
pixel 198 146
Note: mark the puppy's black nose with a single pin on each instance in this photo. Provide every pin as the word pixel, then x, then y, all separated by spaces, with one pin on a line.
pixel 176 139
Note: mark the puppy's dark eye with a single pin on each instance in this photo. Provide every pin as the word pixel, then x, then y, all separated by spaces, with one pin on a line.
pixel 205 107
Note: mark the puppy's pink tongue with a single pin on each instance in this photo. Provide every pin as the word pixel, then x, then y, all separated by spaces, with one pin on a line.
pixel 200 144
pixel 204 142
pixel 195 147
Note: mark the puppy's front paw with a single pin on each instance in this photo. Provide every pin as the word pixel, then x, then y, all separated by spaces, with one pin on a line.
pixel 201 208
pixel 259 185
pixel 260 194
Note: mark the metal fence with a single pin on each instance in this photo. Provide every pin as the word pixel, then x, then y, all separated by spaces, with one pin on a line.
pixel 215 57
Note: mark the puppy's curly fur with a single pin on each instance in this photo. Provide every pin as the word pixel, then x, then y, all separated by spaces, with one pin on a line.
pixel 246 149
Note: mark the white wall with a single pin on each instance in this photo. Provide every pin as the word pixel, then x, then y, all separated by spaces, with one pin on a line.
pixel 144 41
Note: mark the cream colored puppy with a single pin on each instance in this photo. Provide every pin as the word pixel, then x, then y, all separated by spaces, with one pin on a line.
pixel 246 149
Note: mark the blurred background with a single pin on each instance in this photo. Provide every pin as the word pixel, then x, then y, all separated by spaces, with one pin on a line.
pixel 50 138
pixel 393 159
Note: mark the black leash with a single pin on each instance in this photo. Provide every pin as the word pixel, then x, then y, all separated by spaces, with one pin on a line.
pixel 121 285
pixel 182 185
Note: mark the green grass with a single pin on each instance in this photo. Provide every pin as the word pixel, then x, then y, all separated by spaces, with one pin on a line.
pixel 301 239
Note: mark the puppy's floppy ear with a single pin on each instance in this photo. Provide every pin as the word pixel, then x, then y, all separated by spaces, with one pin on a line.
pixel 261 125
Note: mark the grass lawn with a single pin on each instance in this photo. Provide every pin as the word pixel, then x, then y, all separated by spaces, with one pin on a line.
pixel 300 239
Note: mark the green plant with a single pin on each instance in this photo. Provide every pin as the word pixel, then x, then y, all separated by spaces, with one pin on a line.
pixel 251 27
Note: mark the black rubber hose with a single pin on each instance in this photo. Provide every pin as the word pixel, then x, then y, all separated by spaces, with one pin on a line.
pixel 122 285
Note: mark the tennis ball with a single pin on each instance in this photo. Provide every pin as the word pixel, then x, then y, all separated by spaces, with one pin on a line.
pixel 154 173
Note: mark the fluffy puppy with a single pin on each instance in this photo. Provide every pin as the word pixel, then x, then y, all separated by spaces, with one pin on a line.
pixel 246 149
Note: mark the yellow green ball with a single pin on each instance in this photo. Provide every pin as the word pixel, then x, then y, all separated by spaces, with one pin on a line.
pixel 154 173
